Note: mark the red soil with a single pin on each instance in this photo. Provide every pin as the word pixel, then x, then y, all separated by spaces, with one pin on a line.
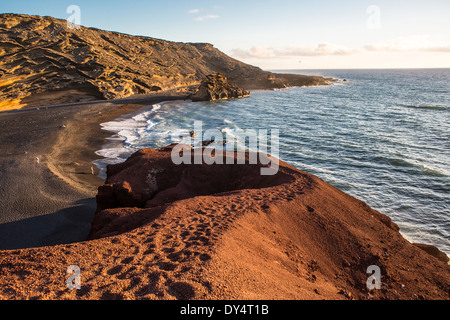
pixel 163 231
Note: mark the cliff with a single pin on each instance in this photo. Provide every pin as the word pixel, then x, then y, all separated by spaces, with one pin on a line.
pixel 42 62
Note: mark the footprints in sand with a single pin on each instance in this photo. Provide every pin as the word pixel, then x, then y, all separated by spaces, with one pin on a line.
pixel 167 266
pixel 150 249
pixel 182 290
pixel 114 270
pixel 152 285
pixel 165 259
pixel 204 257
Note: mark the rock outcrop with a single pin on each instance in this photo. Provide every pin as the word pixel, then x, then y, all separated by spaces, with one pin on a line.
pixel 323 239
pixel 43 62
pixel 435 252
pixel 166 231
pixel 217 87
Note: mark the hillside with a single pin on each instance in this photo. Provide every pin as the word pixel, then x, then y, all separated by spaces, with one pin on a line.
pixel 42 62
pixel 206 232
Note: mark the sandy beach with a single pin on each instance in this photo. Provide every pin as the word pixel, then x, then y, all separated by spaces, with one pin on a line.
pixel 47 188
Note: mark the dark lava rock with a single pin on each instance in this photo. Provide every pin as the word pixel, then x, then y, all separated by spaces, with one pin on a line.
pixel 217 87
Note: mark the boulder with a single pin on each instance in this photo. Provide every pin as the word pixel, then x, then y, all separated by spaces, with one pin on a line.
pixel 217 87
pixel 432 250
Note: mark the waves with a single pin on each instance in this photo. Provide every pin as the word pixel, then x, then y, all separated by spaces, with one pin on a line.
pixel 373 137
pixel 128 133
pixel 438 108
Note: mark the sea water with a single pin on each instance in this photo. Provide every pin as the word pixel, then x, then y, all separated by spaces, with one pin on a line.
pixel 382 136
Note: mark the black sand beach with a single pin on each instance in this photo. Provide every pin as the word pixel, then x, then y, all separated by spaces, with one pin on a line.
pixel 47 189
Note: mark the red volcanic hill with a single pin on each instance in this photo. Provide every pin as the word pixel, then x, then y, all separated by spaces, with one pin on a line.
pixel 201 231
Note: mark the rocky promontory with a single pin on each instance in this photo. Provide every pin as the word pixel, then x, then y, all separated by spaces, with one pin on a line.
pixel 199 231
pixel 217 87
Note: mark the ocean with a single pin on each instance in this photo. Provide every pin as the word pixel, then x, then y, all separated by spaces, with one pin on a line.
pixel 382 136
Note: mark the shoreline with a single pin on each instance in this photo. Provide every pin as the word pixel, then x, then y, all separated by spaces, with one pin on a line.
pixel 111 142
pixel 84 133
pixel 71 156
pixel 48 190
pixel 156 260
pixel 404 233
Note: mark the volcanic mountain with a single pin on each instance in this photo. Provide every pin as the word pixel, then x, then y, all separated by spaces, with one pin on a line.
pixel 44 62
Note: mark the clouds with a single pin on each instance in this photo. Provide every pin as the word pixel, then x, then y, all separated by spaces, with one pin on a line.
pixel 192 11
pixel 445 49
pixel 420 43
pixel 205 16
pixel 410 43
pixel 321 49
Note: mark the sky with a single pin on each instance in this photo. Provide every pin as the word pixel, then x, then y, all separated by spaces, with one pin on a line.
pixel 279 34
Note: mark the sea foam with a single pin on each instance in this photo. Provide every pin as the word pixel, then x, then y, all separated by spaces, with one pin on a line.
pixel 122 144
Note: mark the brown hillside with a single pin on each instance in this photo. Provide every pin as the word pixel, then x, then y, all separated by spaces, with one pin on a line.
pixel 44 62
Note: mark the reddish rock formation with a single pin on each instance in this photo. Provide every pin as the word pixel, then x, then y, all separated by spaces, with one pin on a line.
pixel 225 232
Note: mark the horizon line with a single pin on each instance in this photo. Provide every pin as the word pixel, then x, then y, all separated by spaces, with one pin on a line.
pixel 400 68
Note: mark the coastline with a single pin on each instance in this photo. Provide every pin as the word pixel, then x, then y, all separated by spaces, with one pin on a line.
pixel 113 185
pixel 126 265
pixel 48 190
pixel 114 140
pixel 308 240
